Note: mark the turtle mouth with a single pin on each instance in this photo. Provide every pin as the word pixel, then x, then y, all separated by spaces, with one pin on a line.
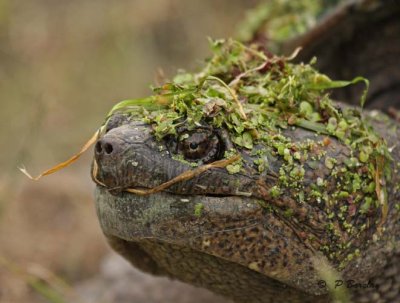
pixel 146 190
pixel 118 178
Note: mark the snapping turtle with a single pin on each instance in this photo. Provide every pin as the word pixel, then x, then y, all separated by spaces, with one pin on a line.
pixel 247 179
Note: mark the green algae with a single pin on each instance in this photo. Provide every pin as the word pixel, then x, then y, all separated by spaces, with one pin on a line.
pixel 198 209
pixel 275 191
pixel 236 166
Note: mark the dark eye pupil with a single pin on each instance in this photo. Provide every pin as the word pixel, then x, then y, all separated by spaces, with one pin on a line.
pixel 193 145
pixel 200 146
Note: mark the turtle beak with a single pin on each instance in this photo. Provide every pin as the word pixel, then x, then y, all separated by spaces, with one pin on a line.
pixel 117 156
pixel 109 150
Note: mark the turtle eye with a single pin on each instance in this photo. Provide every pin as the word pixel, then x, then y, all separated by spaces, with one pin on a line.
pixel 201 145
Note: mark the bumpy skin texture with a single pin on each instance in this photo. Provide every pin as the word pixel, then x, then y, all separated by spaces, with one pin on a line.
pixel 235 247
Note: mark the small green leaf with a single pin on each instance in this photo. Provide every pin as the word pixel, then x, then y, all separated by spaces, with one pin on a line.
pixel 306 108
pixel 149 103
pixel 322 82
pixel 247 140
pixel 314 126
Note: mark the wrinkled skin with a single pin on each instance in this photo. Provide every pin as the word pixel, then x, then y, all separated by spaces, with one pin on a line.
pixel 235 247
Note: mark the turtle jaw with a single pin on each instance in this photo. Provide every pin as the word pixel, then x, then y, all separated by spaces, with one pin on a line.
pixel 231 228
pixel 170 217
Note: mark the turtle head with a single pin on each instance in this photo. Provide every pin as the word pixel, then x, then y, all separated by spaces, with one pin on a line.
pixel 219 214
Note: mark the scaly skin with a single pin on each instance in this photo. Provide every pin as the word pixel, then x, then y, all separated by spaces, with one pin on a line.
pixel 241 245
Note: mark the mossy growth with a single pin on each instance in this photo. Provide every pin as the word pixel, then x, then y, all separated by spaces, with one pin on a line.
pixel 256 95
pixel 253 95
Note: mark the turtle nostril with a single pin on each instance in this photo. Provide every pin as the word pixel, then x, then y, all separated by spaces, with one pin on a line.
pixel 104 147
pixel 108 148
pixel 98 147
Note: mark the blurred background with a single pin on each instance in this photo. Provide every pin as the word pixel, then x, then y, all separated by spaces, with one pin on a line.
pixel 63 64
